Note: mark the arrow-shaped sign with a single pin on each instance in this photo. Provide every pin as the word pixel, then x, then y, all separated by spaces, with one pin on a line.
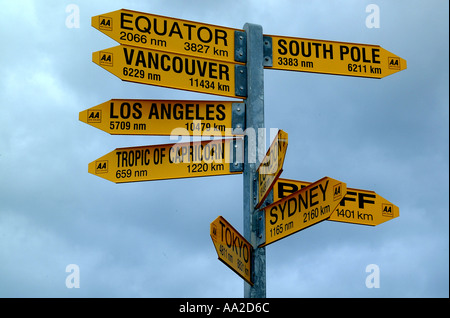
pixel 331 57
pixel 303 208
pixel 171 161
pixel 358 206
pixel 232 248
pixel 168 34
pixel 164 69
pixel 166 117
pixel 271 166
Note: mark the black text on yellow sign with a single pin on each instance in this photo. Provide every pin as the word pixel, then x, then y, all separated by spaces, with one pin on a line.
pixel 271 166
pixel 302 209
pixel 330 57
pixel 358 206
pixel 170 161
pixel 164 69
pixel 232 248
pixel 166 117
pixel 167 34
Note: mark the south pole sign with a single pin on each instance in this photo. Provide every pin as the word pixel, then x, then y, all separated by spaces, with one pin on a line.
pixel 331 57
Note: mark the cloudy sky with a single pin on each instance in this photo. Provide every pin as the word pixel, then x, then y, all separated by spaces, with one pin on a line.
pixel 151 239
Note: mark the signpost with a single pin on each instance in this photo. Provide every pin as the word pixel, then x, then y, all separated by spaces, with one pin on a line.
pixel 358 206
pixel 232 248
pixel 164 69
pixel 303 208
pixel 168 34
pixel 167 117
pixel 171 161
pixel 271 166
pixel 199 57
pixel 330 57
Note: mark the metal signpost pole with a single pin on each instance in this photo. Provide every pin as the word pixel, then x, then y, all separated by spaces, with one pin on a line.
pixel 254 150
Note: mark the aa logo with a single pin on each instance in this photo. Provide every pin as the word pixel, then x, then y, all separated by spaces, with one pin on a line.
pixel 387 210
pixel 337 192
pixel 105 23
pixel 101 166
pixel 94 116
pixel 213 230
pixel 394 63
pixel 106 59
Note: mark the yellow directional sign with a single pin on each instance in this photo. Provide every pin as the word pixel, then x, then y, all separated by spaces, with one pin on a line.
pixel 166 117
pixel 271 166
pixel 167 34
pixel 170 70
pixel 171 161
pixel 232 248
pixel 358 206
pixel 330 57
pixel 303 208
